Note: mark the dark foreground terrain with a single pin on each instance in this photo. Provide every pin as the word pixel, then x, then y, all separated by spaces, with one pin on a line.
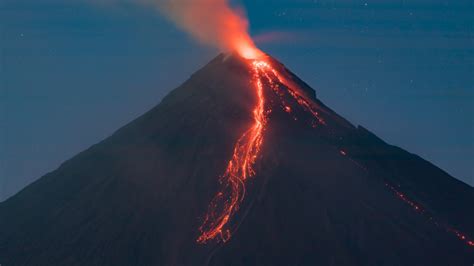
pixel 335 194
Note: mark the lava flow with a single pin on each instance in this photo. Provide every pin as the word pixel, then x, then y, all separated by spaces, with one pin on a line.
pixel 418 208
pixel 275 79
pixel 246 151
pixel 239 169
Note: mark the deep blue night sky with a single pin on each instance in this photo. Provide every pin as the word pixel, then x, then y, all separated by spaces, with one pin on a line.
pixel 72 72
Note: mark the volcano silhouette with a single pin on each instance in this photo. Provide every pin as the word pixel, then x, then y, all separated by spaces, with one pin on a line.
pixel 324 192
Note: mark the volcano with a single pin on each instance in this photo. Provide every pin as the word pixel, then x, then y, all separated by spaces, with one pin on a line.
pixel 241 165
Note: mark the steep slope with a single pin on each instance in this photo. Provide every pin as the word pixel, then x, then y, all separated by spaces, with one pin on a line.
pixel 324 192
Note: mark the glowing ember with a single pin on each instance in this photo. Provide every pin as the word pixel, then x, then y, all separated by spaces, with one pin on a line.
pixel 405 199
pixel 421 210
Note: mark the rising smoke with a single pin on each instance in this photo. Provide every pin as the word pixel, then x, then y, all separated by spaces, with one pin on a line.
pixel 212 22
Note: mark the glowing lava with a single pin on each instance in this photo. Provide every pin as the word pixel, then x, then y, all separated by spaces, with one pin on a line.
pixel 239 169
pixel 247 148
pixel 418 208
pixel 281 86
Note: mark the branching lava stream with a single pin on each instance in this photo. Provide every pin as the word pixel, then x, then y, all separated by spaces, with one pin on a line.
pixel 247 150
pixel 239 169
pixel 245 153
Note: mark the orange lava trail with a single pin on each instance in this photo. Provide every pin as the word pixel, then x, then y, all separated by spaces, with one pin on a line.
pixel 246 151
pixel 239 169
pixel 418 208
pixel 294 92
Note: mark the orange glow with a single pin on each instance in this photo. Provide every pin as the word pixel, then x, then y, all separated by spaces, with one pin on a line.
pixel 247 50
pixel 275 80
pixel 422 211
pixel 239 169
pixel 247 148
pixel 212 22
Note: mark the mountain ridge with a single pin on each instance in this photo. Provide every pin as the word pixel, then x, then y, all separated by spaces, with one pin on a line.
pixel 322 193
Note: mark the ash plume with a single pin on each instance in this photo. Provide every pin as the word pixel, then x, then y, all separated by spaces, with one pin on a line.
pixel 211 22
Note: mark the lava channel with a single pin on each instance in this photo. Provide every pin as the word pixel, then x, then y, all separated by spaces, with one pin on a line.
pixel 246 151
pixel 239 168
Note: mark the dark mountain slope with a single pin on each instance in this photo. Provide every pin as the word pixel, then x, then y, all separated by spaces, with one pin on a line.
pixel 321 196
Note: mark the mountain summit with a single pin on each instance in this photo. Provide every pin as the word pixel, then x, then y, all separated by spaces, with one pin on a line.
pixel 241 165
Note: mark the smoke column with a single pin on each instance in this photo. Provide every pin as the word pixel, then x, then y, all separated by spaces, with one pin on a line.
pixel 212 22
